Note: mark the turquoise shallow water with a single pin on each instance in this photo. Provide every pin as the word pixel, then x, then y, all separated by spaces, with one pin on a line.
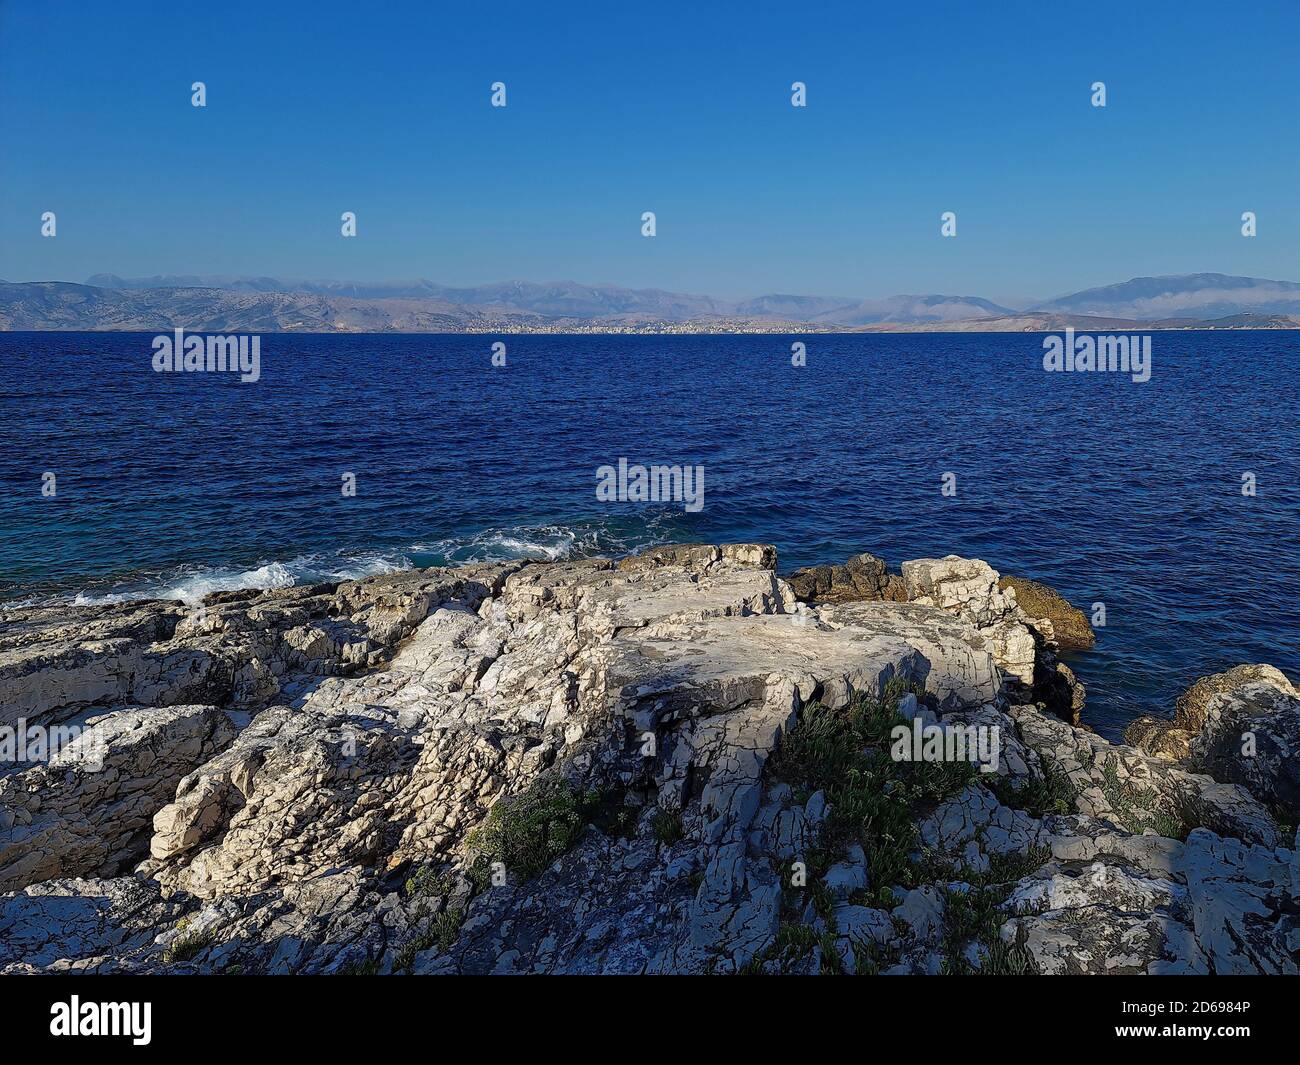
pixel 1111 491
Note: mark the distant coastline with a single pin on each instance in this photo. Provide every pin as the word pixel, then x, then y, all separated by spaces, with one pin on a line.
pixel 269 305
pixel 576 327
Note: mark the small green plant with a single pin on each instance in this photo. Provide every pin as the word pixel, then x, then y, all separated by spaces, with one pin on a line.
pixel 1008 868
pixel 1140 809
pixel 188 944
pixel 969 915
pixel 528 831
pixel 792 944
pixel 429 882
pixel 1007 959
pixel 609 813
pixel 1052 793
pixel 874 800
pixel 869 957
pixel 406 956
pixel 667 827
pixel 976 914
pixel 832 964
pixel 446 927
pixel 441 932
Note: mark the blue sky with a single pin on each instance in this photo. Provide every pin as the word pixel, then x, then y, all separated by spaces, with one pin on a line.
pixel 682 109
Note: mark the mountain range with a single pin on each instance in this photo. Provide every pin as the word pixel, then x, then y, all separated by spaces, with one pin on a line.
pixel 268 304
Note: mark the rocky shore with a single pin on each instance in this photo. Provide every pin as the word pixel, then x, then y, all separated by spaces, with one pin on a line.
pixel 677 763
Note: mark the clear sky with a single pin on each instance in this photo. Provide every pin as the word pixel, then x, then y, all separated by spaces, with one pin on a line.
pixel 683 109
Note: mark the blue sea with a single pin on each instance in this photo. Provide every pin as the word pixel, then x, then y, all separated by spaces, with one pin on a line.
pixel 1127 494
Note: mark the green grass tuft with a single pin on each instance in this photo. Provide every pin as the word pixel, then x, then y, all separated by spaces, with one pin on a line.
pixel 792 944
pixel 667 826
pixel 1053 793
pixel 188 944
pixel 528 831
pixel 441 933
pixel 874 800
pixel 1140 809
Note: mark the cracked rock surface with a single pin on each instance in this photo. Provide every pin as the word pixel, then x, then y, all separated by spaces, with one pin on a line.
pixel 1241 726
pixel 575 767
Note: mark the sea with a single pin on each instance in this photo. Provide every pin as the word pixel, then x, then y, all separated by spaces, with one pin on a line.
pixel 1167 507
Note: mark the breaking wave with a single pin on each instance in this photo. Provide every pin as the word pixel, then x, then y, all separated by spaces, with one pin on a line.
pixel 554 543
pixel 540 543
pixel 191 584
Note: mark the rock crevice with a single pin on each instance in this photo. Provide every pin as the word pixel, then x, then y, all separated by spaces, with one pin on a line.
pixel 579 767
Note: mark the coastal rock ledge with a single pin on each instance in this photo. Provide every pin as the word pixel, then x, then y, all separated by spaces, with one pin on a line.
pixel 679 763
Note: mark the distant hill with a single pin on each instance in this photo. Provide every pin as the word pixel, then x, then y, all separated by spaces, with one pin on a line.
pixel 557 298
pixel 570 299
pixel 1040 322
pixel 59 305
pixel 1181 296
pixel 914 310
pixel 269 304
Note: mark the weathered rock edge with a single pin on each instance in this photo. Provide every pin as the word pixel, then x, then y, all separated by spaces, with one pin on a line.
pixel 312 759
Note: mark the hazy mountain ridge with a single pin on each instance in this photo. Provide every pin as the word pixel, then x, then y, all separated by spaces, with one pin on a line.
pixel 915 309
pixel 290 305
pixel 1180 296
pixel 559 298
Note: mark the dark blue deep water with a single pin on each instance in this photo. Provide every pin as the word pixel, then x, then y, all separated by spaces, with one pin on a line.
pixel 1128 494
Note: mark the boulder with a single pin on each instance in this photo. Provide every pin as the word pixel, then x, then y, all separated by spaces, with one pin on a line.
pixel 1069 624
pixel 964 585
pixel 969 587
pixel 863 577
pixel 1241 727
pixel 1159 736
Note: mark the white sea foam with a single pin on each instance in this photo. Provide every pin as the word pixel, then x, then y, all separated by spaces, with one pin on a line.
pixel 198 587
pixel 554 542
pixel 192 584
pixel 541 543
